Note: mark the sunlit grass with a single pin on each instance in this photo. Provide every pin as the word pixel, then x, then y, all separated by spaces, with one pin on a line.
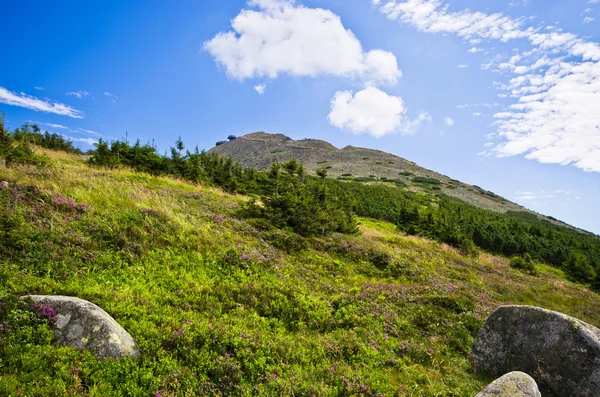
pixel 217 310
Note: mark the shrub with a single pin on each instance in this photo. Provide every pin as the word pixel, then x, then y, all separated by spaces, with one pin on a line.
pixel 578 266
pixel 427 181
pixel 524 263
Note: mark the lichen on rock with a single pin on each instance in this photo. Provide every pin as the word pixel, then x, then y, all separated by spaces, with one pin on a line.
pixel 513 384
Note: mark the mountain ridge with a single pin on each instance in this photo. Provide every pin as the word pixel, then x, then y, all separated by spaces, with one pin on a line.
pixel 260 149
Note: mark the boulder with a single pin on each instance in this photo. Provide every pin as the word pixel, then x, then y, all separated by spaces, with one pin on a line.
pixel 3 185
pixel 83 325
pixel 514 384
pixel 560 352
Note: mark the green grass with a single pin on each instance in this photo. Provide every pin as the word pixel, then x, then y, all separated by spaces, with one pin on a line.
pixel 219 307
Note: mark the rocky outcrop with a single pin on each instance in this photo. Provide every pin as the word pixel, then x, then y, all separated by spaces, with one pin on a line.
pixel 560 352
pixel 514 384
pixel 83 325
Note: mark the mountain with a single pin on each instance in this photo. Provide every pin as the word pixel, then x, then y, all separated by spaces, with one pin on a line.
pixel 258 150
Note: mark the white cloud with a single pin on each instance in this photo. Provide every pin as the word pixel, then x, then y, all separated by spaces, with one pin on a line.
pixel 463 66
pixel 78 94
pixel 588 19
pixel 433 16
pixel 260 88
pixel 370 111
pixel 478 105
pixel 449 122
pixel 89 132
pixel 474 50
pixel 555 116
pixel 56 126
pixel 87 141
pixel 557 195
pixel 39 88
pixel 112 96
pixel 39 105
pixel 277 37
pixel 373 112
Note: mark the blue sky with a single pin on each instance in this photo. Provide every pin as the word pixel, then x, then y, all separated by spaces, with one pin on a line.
pixel 504 94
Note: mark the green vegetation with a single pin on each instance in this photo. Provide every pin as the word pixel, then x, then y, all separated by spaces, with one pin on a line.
pixel 15 148
pixel 457 223
pixel 438 217
pixel 308 206
pixel 524 263
pixel 226 295
pixel 426 181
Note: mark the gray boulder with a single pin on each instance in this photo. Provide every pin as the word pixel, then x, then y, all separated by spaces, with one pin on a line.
pixel 514 384
pixel 83 325
pixel 560 352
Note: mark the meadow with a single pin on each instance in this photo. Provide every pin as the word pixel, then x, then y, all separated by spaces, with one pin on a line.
pixel 220 305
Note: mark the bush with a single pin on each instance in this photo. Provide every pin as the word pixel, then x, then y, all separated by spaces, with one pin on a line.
pixel 524 263
pixel 427 181
pixel 578 266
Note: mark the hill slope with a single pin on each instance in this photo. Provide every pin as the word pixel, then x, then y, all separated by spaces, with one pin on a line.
pixel 258 150
pixel 221 307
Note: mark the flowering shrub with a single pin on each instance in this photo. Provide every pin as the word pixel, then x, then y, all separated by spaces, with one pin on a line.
pixel 24 321
pixel 64 204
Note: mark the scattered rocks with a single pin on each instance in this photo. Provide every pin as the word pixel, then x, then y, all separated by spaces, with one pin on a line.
pixel 560 352
pixel 3 185
pixel 82 324
pixel 514 384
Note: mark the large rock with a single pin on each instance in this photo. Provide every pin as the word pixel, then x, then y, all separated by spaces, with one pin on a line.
pixel 514 384
pixel 560 352
pixel 82 324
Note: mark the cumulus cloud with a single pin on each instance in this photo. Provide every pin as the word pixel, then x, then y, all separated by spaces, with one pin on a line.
pixel 39 105
pixel 277 37
pixel 374 112
pixel 448 121
pixel 280 37
pixel 369 111
pixel 555 88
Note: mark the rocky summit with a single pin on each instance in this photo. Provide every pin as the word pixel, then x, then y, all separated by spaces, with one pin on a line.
pixel 560 352
pixel 258 150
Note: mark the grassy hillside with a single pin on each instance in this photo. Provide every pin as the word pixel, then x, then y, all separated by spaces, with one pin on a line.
pixel 221 307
